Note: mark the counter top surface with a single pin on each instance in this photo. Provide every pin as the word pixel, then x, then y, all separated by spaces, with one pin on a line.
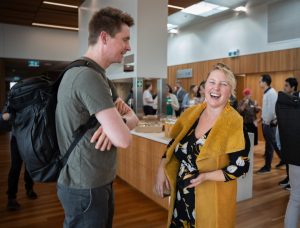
pixel 158 137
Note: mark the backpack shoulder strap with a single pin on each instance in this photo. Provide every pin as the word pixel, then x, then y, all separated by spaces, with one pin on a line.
pixel 75 63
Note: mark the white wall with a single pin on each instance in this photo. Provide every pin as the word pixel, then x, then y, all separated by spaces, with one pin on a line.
pixel 213 39
pixel 38 43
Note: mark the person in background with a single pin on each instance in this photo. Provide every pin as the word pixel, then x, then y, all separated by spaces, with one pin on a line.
pixel 129 100
pixel 190 98
pixel 172 104
pixel 201 92
pixel 180 94
pixel 148 100
pixel 268 123
pixel 290 88
pixel 288 112
pixel 233 102
pixel 248 109
pixel 85 184
pixel 15 169
pixel 155 104
pixel 208 152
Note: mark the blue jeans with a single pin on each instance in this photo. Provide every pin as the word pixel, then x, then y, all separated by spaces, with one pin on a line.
pixel 86 208
pixel 270 145
pixel 292 215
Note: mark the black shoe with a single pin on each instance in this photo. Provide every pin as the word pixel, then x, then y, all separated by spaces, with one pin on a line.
pixel 281 163
pixel 13 205
pixel 284 182
pixel 288 187
pixel 263 170
pixel 31 194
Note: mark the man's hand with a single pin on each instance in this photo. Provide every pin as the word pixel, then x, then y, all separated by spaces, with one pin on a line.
pixel 122 107
pixel 5 116
pixel 102 141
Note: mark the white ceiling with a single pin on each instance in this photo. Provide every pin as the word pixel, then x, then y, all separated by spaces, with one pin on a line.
pixel 184 19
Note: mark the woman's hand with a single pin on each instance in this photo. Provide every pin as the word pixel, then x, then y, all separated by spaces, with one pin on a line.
pixel 198 180
pixel 161 180
pixel 102 141
pixel 216 175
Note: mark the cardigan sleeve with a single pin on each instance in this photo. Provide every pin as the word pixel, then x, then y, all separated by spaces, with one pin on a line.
pixel 238 162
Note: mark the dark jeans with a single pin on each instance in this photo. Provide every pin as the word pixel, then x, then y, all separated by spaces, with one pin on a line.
pixel 253 129
pixel 87 207
pixel 15 170
pixel 270 145
pixel 148 110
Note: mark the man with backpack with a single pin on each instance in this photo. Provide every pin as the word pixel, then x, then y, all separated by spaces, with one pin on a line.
pixel 15 170
pixel 84 185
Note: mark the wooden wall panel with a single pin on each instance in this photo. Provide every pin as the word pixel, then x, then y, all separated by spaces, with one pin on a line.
pixel 275 61
pixel 249 64
pixel 240 85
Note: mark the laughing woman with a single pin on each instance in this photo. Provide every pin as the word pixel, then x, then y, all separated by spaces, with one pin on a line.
pixel 208 152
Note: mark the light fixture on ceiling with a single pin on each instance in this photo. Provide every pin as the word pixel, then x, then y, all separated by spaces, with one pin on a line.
pixel 54 26
pixel 204 9
pixel 60 4
pixel 241 9
pixel 173 31
pixel 172 28
pixel 175 7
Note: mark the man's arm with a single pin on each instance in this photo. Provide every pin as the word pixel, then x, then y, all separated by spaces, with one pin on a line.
pixel 113 127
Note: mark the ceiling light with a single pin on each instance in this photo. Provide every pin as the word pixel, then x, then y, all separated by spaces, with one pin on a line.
pixel 241 9
pixel 175 7
pixel 55 26
pixel 171 26
pixel 60 4
pixel 204 9
pixel 173 31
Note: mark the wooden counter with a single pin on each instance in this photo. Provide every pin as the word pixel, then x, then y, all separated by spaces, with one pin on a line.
pixel 137 165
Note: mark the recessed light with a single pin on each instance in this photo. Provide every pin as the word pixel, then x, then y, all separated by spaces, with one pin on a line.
pixel 204 9
pixel 60 4
pixel 241 9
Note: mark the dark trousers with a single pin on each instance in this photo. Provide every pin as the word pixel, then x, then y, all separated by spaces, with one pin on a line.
pixel 15 170
pixel 87 208
pixel 270 145
pixel 250 127
pixel 148 110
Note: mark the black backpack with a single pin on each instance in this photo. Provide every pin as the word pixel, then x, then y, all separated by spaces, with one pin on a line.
pixel 32 104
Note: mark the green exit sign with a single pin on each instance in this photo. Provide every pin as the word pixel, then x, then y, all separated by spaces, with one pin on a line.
pixel 139 83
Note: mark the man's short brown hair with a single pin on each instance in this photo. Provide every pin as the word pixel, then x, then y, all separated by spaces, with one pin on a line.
pixel 109 20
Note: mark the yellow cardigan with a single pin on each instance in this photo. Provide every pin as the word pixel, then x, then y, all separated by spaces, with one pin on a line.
pixel 215 202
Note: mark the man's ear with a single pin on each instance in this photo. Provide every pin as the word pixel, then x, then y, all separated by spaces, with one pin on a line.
pixel 103 36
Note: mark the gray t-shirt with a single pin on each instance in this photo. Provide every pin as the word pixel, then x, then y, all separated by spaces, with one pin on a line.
pixel 82 93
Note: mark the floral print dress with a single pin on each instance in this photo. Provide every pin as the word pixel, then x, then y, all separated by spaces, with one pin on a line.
pixel 186 152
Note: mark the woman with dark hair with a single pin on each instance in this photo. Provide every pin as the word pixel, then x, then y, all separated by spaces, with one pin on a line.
pixel 201 92
pixel 190 98
pixel 172 103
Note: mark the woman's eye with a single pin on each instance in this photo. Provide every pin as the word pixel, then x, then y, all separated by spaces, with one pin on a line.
pixel 224 84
